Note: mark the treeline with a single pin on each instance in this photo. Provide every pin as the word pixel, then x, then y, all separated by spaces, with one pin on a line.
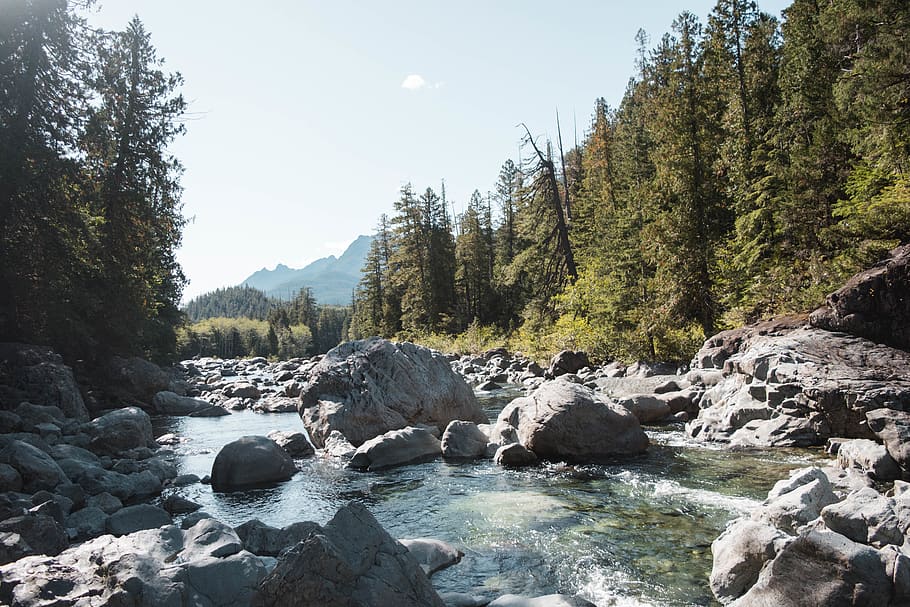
pixel 243 321
pixel 89 196
pixel 749 168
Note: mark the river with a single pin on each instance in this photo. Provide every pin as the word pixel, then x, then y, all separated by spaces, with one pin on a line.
pixel 630 533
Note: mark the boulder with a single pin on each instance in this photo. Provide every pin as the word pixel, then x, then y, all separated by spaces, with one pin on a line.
pixel 893 428
pixel 797 501
pixel 463 440
pixel 10 479
pixel 353 562
pixel 562 420
pixel 874 304
pixel 37 469
pixel 86 523
pixel 336 445
pixel 295 443
pixel 869 457
pixel 865 516
pixel 514 455
pixel 396 448
pixel 567 362
pixel 136 378
pixel 264 540
pixel 366 388
pixel 136 518
pixel 39 376
pixel 122 430
pixel 203 565
pixel 170 403
pixel 242 390
pixel 30 534
pixel 431 554
pixel 177 504
pixel 251 461
pixel 646 407
pixel 740 553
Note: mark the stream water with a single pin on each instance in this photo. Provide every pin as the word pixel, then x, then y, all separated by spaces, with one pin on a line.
pixel 634 532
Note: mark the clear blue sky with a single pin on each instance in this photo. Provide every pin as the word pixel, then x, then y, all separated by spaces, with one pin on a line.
pixel 308 116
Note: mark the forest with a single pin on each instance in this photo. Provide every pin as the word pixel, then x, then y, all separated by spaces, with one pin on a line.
pixel 750 167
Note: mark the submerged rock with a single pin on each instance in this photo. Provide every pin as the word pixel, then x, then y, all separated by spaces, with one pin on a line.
pixel 431 554
pixel 562 420
pixel 251 461
pixel 366 388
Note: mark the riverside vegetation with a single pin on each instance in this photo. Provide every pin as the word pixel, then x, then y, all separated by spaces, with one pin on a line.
pixel 749 169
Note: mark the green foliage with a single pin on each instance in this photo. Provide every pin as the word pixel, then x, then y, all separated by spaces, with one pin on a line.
pixel 240 337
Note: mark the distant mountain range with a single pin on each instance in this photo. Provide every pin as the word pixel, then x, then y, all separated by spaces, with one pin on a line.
pixel 332 280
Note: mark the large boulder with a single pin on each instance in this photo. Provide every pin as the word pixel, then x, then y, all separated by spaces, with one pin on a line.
pixel 354 562
pixel 869 457
pixel 135 518
pixel 204 565
pixel 295 443
pixel 366 388
pixel 567 361
pixel 562 420
pixel 893 429
pixel 36 374
pixel 874 303
pixel 464 440
pixel 37 469
pixel 265 540
pixel 396 448
pixel 171 403
pixel 251 461
pixel 136 378
pixel 30 534
pixel 122 430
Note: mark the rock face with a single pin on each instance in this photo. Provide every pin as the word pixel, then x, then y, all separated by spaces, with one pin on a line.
pixel 38 375
pixel 251 461
pixel 204 565
pixel 787 385
pixel 816 526
pixel 396 448
pixel 122 430
pixel 352 563
pixel 366 388
pixel 562 420
pixel 874 304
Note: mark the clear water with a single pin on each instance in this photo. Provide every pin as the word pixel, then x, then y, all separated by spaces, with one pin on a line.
pixel 634 532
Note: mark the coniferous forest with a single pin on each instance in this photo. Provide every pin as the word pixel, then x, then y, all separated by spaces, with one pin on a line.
pixel 749 168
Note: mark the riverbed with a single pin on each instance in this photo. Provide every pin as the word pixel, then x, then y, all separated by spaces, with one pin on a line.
pixel 633 532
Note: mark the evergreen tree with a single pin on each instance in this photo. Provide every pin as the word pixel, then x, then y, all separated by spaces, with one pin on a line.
pixel 474 254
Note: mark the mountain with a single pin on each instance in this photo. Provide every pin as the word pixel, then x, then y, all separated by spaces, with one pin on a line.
pixel 331 279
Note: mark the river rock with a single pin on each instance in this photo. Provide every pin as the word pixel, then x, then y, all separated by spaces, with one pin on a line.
pixel 874 303
pixel 265 540
pixel 86 523
pixel 353 562
pixel 136 518
pixel 798 500
pixel 10 479
pixel 869 457
pixel 893 428
pixel 122 430
pixel 567 362
pixel 37 375
pixel 550 600
pixel 431 554
pixel 30 534
pixel 251 461
pixel 295 443
pixel 865 516
pixel 37 469
pixel 336 445
pixel 170 403
pixel 366 388
pixel 514 455
pixel 396 448
pixel 203 565
pixel 647 408
pixel 740 553
pixel 562 420
pixel 242 390
pixel 136 378
pixel 464 440
pixel 787 385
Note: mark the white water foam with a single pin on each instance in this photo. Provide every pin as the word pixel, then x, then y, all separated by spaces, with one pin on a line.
pixel 741 505
pixel 599 585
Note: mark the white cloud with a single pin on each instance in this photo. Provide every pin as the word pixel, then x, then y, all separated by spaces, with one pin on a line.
pixel 414 82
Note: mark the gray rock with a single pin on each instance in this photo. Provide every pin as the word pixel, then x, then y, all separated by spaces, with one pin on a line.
pixel 211 411
pixel 550 600
pixel 192 518
pixel 87 523
pixel 137 378
pixel 136 518
pixel 740 553
pixel 169 403
pixel 567 362
pixel 10 479
pixel 514 455
pixel 463 440
pixel 366 388
pixel 336 445
pixel 44 379
pixel 177 504
pixel 160 567
pixel 31 534
pixel 566 421
pixel 489 386
pixel 396 448
pixel 647 408
pixel 251 461
pixel 461 599
pixel 31 416
pixel 353 562
pixel 106 502
pixel 865 516
pixel 822 568
pixel 431 554
pixel 791 509
pixel 242 390
pixel 295 443
pixel 122 430
pixel 893 428
pixel 37 469
pixel 264 540
pixel 869 457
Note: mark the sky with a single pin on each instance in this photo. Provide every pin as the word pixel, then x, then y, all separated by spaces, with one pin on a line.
pixel 306 117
